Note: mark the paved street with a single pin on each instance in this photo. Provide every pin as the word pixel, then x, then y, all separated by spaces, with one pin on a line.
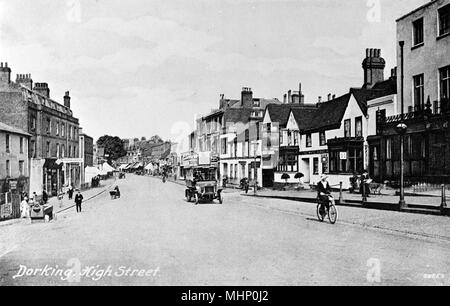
pixel 246 241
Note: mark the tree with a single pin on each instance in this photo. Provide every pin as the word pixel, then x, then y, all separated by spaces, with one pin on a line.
pixel 299 177
pixel 285 177
pixel 156 139
pixel 113 146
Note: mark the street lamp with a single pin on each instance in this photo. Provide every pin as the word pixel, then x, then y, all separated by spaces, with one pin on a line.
pixel 401 130
pixel 255 175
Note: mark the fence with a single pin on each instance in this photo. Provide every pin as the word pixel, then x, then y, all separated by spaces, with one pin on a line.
pixel 9 206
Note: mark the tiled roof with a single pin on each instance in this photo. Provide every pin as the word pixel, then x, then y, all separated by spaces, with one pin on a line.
pixel 329 114
pixel 10 129
pixel 381 89
pixel 280 112
pixel 304 116
pixel 235 115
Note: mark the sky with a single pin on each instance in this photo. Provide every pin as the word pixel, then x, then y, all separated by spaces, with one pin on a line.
pixel 143 67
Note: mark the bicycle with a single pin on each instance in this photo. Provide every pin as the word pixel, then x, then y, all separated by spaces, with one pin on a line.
pixel 331 210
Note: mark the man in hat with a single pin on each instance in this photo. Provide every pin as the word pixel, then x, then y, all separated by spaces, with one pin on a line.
pixel 78 201
pixel 324 193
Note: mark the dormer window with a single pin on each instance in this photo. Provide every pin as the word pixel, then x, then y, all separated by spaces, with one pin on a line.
pixel 256 103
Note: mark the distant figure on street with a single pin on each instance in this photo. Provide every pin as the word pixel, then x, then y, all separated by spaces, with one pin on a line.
pixel 33 199
pixel 78 201
pixel 44 197
pixel 70 192
pixel 365 183
pixel 117 190
pixel 24 209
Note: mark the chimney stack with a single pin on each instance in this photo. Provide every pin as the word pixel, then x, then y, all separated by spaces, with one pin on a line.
pixel 25 80
pixel 373 66
pixel 329 97
pixel 42 88
pixel 285 98
pixel 5 74
pixel 67 99
pixel 246 97
pixel 295 98
pixel 333 97
pixel 320 99
pixel 290 96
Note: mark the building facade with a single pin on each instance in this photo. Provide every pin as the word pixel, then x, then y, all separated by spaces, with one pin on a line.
pixel 426 36
pixel 14 161
pixel 54 142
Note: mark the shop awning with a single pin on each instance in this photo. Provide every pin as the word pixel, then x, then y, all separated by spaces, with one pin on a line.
pixel 106 167
pixel 138 165
pixel 51 164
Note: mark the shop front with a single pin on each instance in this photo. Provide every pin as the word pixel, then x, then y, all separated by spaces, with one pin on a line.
pixel 346 158
pixel 53 177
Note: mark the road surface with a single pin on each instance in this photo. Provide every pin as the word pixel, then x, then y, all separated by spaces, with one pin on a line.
pixel 152 236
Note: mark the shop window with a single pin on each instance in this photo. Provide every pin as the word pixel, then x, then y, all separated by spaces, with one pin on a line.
pixel 388 148
pixel 316 166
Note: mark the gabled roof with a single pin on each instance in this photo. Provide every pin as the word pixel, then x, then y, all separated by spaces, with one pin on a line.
pixel 329 114
pixel 380 89
pixel 280 112
pixel 304 116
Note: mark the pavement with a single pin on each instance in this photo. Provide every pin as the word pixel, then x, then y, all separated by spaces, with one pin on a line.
pixel 152 236
pixel 426 203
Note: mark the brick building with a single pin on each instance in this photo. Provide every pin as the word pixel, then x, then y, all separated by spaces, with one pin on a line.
pixel 54 142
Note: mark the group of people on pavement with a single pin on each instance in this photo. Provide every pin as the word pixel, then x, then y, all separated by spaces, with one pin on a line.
pixel 28 202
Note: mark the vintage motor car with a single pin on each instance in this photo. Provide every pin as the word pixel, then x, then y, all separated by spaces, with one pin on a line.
pixel 203 186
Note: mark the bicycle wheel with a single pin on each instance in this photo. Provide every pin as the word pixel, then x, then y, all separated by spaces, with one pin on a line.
pixel 333 214
pixel 319 215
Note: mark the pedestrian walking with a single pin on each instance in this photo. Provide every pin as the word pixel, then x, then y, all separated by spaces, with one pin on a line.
pixel 70 192
pixel 78 201
pixel 24 209
pixel 365 184
pixel 44 197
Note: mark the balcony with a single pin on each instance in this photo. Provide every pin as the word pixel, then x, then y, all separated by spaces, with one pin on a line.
pixel 430 110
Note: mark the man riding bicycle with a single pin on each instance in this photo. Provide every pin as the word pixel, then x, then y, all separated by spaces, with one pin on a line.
pixel 324 194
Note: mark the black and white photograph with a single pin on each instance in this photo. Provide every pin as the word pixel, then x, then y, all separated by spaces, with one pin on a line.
pixel 202 144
